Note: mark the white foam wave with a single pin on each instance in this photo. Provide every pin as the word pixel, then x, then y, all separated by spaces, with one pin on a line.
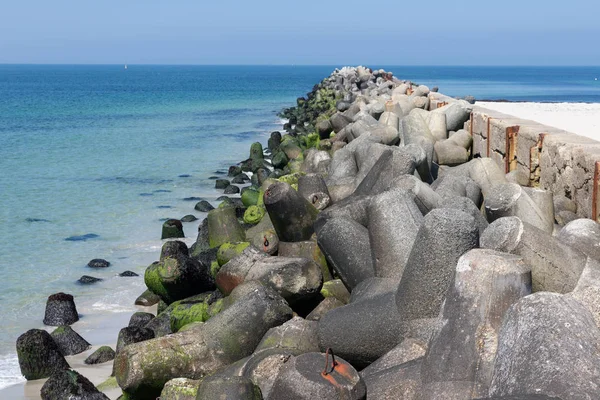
pixel 110 307
pixel 10 373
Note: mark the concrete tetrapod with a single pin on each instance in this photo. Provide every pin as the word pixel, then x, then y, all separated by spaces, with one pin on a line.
pixel 291 215
pixel 446 234
pixel 555 267
pixel 582 234
pixel 363 331
pixel 345 244
pixel 548 345
pixel 313 188
pixel 394 220
pixel 304 378
pixel 510 200
pixel 462 350
pixel 143 368
pixel 425 198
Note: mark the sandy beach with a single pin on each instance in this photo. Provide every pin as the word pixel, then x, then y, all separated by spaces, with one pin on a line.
pixel 98 373
pixel 580 118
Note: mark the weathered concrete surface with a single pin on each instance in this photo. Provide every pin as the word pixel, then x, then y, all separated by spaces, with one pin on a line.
pixel 539 334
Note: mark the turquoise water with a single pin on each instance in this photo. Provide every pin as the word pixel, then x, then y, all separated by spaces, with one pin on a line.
pixel 111 152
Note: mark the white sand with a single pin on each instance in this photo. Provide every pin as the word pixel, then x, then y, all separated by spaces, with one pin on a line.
pixel 580 118
pixel 105 330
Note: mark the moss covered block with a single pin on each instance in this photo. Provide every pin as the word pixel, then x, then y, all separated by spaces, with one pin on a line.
pixel 214 268
pixel 223 227
pixel 290 179
pixel 229 250
pixel 254 214
pixel 250 197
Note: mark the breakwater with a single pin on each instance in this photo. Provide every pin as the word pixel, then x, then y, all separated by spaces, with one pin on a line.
pixel 372 252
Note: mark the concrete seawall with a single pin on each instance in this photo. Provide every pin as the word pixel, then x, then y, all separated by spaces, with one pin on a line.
pixel 539 155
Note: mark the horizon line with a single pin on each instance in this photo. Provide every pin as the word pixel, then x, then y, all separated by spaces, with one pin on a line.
pixel 299 65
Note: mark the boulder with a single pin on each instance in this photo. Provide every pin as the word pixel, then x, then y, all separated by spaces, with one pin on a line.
pixel 461 186
pixel 446 234
pixel 172 228
pixel 140 319
pixel 394 220
pixel 373 287
pixel 308 249
pixel 291 215
pixel 462 350
pixel 582 234
pixel 98 263
pixel 295 279
pixel 203 206
pixel 297 335
pixel 548 345
pixel 328 304
pixel 407 350
pixel 345 244
pixel 401 382
pixel 336 288
pixel 60 310
pixel 230 388
pixel 143 368
pixel 128 274
pixel 425 197
pixel 147 299
pixel 86 280
pixel 177 276
pixel 509 199
pixel 39 356
pixel 555 267
pixel 180 389
pixel 69 384
pixel 231 189
pixel 313 189
pixel 101 355
pixel 132 334
pixel 363 331
pixel 221 183
pixel 305 378
pixel 223 227
pixel 69 342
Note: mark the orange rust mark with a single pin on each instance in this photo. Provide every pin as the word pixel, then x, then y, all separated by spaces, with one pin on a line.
pixel 329 378
pixel 511 148
pixel 489 136
pixel 344 370
pixel 595 192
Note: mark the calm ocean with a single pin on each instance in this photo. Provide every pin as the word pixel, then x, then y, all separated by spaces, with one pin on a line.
pixel 111 152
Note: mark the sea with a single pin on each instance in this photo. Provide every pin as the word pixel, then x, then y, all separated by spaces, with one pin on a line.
pixel 93 159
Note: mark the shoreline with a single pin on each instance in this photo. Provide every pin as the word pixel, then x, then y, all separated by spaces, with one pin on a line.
pixel 308 145
pixel 100 325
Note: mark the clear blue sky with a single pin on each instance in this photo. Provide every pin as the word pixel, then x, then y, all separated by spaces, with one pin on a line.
pixel 383 32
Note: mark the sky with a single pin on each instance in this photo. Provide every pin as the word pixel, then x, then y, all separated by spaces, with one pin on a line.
pixel 325 32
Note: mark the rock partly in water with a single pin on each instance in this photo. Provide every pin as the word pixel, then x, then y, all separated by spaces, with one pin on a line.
pixel 86 280
pixel 98 263
pixel 60 310
pixel 69 342
pixel 101 355
pixel 69 384
pixel 39 356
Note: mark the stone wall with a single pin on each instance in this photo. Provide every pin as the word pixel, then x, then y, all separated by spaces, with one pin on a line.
pixel 540 156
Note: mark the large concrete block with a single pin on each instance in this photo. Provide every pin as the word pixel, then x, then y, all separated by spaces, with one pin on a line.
pixel 548 345
pixel 446 234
